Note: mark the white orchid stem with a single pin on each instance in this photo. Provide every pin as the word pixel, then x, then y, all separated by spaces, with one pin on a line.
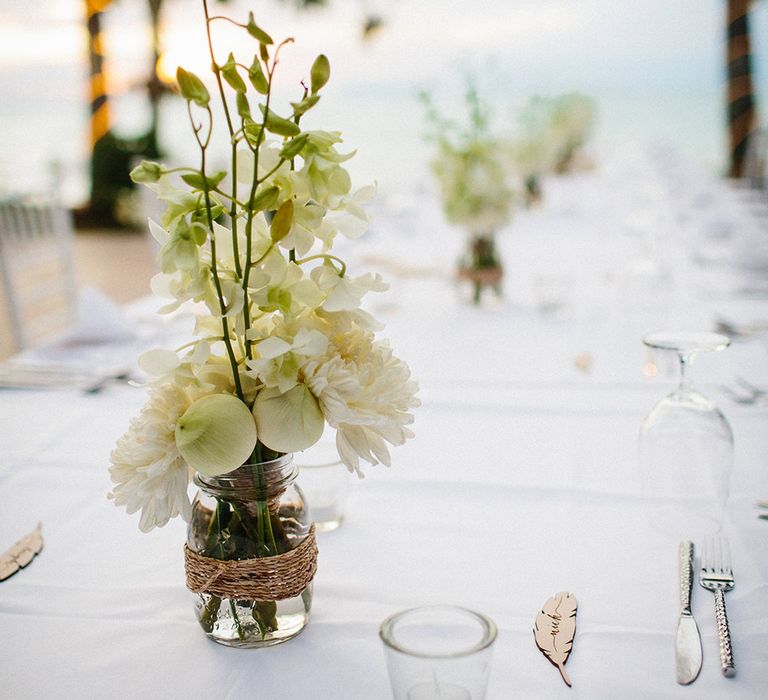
pixel 211 338
pixel 325 256
pixel 254 186
pixel 217 73
pixel 214 266
pixel 249 220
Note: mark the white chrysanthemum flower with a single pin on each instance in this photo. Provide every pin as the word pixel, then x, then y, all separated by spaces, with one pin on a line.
pixel 365 392
pixel 149 473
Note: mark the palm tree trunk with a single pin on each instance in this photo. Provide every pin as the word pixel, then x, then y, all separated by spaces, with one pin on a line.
pixel 98 87
pixel 742 118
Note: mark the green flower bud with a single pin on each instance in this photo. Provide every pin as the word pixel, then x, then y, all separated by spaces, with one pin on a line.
pixel 192 88
pixel 147 171
pixel 256 32
pixel 320 73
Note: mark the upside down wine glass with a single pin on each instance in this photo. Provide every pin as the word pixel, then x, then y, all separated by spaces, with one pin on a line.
pixel 686 446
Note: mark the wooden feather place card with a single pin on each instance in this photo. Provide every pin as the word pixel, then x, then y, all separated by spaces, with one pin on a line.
pixel 555 628
pixel 22 553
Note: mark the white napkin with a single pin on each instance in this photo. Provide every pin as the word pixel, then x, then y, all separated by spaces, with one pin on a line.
pixel 101 342
pixel 97 320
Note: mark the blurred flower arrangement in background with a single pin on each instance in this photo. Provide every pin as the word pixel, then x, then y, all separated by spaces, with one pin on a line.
pixel 532 152
pixel 549 135
pixel 475 188
pixel 482 173
pixel 469 167
pixel 573 117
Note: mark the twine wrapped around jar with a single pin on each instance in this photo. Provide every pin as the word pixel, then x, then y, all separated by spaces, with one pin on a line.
pixel 489 276
pixel 260 578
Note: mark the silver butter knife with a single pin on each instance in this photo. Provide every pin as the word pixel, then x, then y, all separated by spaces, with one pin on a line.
pixel 688 641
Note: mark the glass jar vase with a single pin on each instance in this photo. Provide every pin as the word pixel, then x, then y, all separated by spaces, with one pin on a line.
pixel 251 555
pixel 480 271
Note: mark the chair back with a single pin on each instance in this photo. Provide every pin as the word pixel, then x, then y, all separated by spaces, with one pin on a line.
pixel 756 160
pixel 38 292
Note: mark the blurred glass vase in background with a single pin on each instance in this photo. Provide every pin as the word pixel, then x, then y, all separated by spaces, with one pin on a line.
pixel 480 272
pixel 686 446
pixel 326 483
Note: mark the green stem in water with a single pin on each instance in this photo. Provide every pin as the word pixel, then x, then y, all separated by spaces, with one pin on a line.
pixel 211 610
pixel 210 613
pixel 246 523
pixel 236 621
pixel 267 544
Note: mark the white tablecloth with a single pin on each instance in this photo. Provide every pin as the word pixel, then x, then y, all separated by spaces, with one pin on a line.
pixel 522 481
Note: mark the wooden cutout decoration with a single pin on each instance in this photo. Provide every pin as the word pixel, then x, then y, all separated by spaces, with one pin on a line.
pixel 555 628
pixel 23 552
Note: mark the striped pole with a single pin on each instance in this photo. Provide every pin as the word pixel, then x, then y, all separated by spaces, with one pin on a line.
pixel 98 86
pixel 742 118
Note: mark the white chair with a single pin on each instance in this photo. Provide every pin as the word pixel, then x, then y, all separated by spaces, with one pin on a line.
pixel 756 161
pixel 38 292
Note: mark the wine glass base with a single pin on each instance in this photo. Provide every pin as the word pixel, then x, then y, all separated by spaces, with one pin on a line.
pixel 687 342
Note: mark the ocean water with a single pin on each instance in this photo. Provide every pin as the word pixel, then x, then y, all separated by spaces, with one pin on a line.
pixel 655 69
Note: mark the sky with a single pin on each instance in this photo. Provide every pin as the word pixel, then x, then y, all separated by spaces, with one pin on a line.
pixel 655 68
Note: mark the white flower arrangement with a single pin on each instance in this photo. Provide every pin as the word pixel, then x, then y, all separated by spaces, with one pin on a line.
pixel 573 116
pixel 533 150
pixel 282 347
pixel 470 169
pixel 549 132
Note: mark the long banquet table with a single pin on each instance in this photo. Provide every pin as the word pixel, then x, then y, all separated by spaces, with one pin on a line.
pixel 522 480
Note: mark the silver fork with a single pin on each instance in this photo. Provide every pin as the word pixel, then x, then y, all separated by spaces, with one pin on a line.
pixel 717 576
pixel 745 393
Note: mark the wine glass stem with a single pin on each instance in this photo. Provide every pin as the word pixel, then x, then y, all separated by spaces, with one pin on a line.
pixel 686 380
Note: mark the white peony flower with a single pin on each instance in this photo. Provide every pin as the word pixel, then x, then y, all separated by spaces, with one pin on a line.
pixel 290 421
pixel 365 392
pixel 147 468
pixel 216 434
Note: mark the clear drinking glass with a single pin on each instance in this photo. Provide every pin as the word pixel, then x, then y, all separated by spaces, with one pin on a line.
pixel 326 483
pixel 686 446
pixel 439 652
